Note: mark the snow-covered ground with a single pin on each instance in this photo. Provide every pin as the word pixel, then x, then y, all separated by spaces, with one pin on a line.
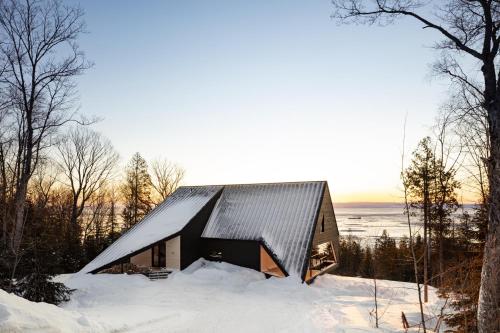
pixel 216 297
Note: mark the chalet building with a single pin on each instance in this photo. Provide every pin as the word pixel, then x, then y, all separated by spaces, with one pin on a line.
pixel 279 229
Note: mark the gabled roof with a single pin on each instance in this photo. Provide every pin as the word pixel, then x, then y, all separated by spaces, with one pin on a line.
pixel 281 215
pixel 167 219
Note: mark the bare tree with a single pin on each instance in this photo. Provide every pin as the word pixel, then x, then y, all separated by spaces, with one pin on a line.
pixel 470 29
pixel 87 160
pixel 411 241
pixel 41 59
pixel 419 178
pixel 43 181
pixel 166 177
pixel 445 201
pixel 468 120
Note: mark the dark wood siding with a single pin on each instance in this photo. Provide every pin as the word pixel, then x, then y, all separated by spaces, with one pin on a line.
pixel 237 252
pixel 190 235
pixel 330 233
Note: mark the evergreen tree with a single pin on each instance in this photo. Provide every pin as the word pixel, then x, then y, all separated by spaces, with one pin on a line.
pixel 112 222
pixel 385 257
pixel 136 191
pixel 351 255
pixel 366 269
pixel 432 189
pixel 419 176
pixel 405 260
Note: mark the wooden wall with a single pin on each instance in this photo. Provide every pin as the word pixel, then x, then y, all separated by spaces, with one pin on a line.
pixel 173 253
pixel 268 265
pixel 331 233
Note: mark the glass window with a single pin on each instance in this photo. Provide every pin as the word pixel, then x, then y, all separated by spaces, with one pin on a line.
pixel 159 255
pixel 322 256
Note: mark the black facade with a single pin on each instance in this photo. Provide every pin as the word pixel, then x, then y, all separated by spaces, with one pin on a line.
pixel 190 235
pixel 207 229
pixel 243 253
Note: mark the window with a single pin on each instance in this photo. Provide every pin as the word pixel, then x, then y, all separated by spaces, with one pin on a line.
pixel 159 255
pixel 323 224
pixel 322 256
pixel 216 255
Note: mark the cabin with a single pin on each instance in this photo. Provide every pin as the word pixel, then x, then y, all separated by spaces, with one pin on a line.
pixel 279 229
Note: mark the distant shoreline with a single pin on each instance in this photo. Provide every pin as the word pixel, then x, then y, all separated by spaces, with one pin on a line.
pixel 379 205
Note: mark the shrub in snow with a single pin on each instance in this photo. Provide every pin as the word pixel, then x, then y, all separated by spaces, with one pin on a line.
pixel 39 287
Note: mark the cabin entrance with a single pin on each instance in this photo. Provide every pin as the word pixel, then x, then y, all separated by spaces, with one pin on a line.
pixel 159 255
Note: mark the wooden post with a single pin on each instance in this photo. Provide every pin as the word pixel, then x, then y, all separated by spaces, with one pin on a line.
pixel 406 326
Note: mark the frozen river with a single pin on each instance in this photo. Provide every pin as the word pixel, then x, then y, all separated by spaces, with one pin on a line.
pixel 369 220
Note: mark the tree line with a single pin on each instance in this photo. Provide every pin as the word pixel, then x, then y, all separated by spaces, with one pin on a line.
pixel 468 59
pixel 449 238
pixel 62 196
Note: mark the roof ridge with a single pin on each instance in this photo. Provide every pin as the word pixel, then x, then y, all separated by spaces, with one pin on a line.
pixel 263 183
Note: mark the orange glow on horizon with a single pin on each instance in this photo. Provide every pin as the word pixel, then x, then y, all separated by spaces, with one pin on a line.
pixel 366 197
pixel 387 197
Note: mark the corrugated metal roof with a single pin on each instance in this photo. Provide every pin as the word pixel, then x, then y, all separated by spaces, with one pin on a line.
pixel 167 219
pixel 282 215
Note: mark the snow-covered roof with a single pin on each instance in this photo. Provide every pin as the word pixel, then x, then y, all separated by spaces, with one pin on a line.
pixel 165 220
pixel 281 215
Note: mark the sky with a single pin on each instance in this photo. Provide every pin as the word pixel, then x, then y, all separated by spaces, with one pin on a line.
pixel 260 91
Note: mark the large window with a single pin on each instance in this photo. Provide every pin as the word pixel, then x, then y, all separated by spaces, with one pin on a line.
pixel 322 256
pixel 159 254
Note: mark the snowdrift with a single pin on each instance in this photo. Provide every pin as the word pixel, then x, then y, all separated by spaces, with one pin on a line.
pixel 216 297
pixel 20 315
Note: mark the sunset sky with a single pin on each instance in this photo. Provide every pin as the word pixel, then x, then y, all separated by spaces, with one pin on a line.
pixel 260 91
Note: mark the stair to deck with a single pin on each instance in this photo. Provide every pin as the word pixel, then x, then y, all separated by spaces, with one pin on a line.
pixel 158 275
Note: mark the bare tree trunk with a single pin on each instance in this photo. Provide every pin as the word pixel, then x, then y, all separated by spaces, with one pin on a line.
pixel 3 197
pixel 426 228
pixel 457 22
pixel 19 219
pixel 412 247
pixel 21 193
pixel 136 194
pixel 376 303
pixel 489 294
pixel 39 80
pixel 441 259
pixel 426 251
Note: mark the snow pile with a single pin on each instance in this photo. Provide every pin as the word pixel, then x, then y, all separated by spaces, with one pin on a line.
pixel 20 315
pixel 217 297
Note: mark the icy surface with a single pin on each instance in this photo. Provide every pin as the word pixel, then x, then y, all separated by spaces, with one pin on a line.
pixel 167 219
pixel 282 215
pixel 218 297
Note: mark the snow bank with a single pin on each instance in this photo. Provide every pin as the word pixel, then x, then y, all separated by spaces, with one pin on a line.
pixel 217 297
pixel 20 315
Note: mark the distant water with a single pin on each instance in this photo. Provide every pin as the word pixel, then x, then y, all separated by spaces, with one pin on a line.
pixel 368 220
